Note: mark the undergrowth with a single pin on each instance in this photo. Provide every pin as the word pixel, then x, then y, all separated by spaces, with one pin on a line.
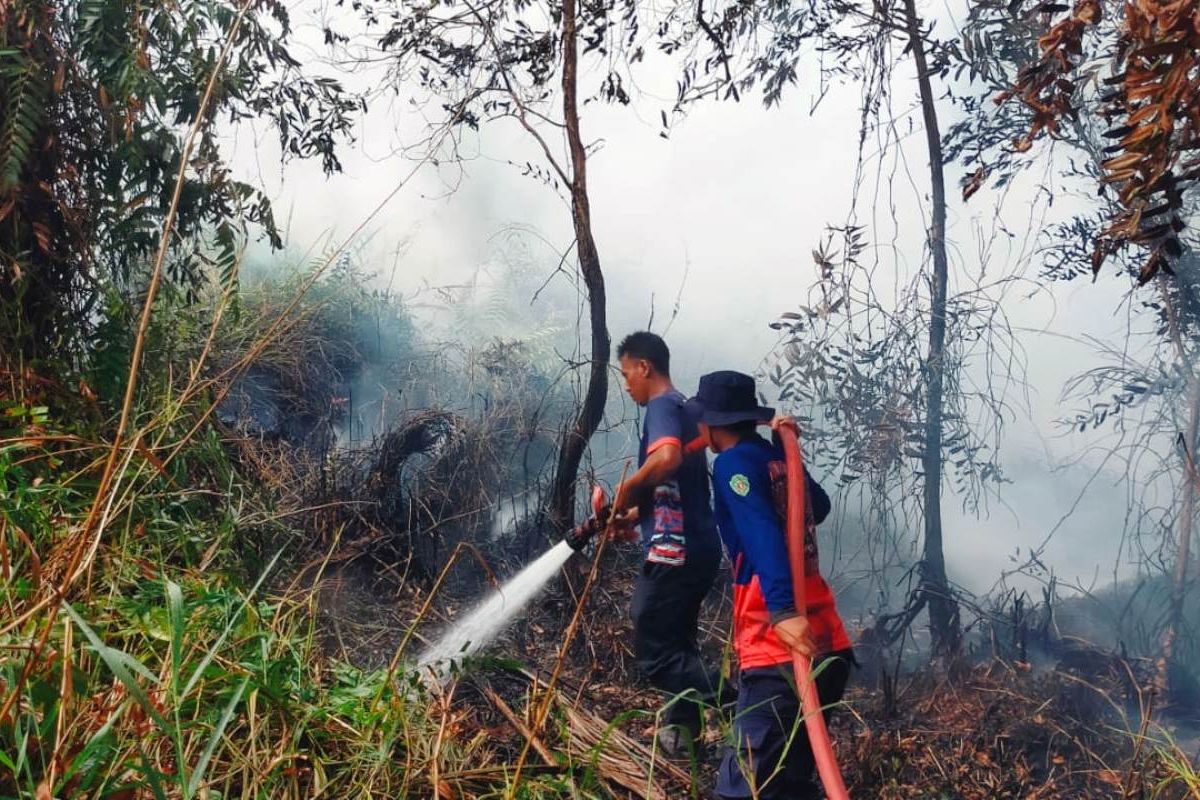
pixel 162 640
pixel 152 645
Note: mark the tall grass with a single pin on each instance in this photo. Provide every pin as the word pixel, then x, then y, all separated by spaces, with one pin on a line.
pixel 182 663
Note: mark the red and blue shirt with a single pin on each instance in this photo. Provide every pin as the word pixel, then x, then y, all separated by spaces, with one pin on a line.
pixel 749 490
pixel 677 516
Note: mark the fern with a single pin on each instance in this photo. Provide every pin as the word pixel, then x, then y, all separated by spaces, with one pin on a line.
pixel 22 114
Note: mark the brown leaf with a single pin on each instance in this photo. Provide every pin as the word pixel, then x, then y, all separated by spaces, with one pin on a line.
pixel 1145 114
pixel 1123 161
pixel 1150 268
pixel 1088 12
pixel 1141 134
pixel 42 234
pixel 973 183
pixel 1098 255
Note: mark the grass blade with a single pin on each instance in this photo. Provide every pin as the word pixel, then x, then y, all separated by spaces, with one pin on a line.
pixel 212 652
pixel 90 755
pixel 121 664
pixel 175 614
pixel 215 739
pixel 152 775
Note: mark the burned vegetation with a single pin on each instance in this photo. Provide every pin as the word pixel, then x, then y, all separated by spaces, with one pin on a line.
pixel 244 494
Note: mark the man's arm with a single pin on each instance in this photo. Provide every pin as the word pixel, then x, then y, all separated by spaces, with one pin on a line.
pixel 746 492
pixel 818 500
pixel 660 467
pixel 664 452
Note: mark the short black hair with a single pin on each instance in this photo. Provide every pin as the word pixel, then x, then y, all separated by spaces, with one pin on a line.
pixel 647 345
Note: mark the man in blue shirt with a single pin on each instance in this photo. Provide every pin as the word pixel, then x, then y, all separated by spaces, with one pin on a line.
pixel 669 495
pixel 770 758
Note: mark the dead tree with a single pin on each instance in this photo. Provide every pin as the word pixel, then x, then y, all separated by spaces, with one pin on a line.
pixel 1150 407
pixel 1140 222
pixel 943 615
pixel 1182 316
pixel 1184 526
pixel 561 511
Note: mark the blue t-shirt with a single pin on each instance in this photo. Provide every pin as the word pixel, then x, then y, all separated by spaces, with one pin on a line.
pixel 678 514
pixel 750 491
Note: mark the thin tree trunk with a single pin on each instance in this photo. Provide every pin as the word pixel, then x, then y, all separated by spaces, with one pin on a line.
pixel 575 439
pixel 943 611
pixel 1180 314
pixel 1187 516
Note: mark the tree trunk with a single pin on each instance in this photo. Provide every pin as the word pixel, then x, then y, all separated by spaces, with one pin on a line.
pixel 1187 516
pixel 943 611
pixel 1183 318
pixel 561 510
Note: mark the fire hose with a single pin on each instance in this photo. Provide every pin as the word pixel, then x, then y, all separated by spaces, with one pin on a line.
pixel 810 701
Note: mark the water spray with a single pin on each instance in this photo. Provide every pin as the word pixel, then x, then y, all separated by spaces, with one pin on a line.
pixel 500 608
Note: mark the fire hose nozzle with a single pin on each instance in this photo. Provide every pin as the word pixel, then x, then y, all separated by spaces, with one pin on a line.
pixel 581 534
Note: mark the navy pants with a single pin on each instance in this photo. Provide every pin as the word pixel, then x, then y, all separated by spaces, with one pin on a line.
pixel 666 614
pixel 771 749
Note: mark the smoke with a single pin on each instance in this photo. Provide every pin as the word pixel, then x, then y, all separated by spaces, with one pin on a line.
pixel 708 234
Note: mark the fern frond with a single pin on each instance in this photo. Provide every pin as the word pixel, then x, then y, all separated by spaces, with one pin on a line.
pixel 21 115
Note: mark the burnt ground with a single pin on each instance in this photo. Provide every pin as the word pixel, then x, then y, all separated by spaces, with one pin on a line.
pixel 992 729
pixel 988 729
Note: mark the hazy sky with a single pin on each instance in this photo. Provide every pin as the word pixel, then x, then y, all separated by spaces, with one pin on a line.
pixel 728 209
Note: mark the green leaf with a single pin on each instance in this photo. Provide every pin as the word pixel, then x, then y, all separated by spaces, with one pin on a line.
pixel 175 613
pixel 92 754
pixel 153 776
pixel 122 665
pixel 215 739
pixel 212 651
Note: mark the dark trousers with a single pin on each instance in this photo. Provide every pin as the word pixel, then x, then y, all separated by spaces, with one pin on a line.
pixel 666 614
pixel 771 748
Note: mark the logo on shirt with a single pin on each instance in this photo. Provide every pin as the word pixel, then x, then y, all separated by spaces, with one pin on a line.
pixel 740 485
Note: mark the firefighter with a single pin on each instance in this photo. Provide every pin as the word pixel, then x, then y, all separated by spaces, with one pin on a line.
pixel 670 499
pixel 770 756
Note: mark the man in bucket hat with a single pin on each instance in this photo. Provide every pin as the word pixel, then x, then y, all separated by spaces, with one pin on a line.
pixel 770 756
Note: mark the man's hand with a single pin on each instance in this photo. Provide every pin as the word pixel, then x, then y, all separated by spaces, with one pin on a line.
pixel 622 526
pixel 616 526
pixel 625 518
pixel 796 634
pixel 784 421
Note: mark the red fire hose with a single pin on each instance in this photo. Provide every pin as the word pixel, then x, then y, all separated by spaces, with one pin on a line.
pixel 814 720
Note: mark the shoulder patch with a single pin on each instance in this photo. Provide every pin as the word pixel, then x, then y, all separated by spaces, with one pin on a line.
pixel 740 485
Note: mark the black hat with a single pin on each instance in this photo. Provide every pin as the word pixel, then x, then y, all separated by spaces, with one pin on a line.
pixel 726 398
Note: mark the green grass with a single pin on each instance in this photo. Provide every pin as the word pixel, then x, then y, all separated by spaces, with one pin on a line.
pixel 178 663
pixel 182 659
